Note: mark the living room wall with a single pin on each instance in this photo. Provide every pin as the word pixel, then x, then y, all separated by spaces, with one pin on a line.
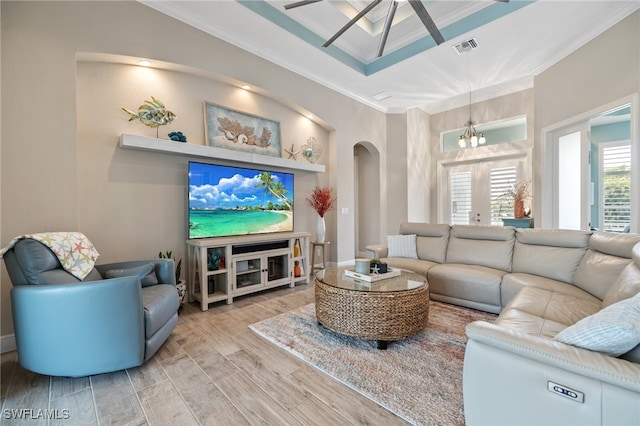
pixel 44 148
pixel 127 188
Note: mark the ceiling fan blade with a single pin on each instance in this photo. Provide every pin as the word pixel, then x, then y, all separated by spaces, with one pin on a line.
pixel 387 26
pixel 299 3
pixel 355 19
pixel 427 21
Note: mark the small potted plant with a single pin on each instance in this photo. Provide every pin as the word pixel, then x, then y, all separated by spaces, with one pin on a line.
pixel 377 267
pixel 181 286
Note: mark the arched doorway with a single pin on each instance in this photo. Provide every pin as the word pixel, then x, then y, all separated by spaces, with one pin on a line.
pixel 366 166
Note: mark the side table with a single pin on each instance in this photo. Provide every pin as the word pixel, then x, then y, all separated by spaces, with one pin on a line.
pixel 314 246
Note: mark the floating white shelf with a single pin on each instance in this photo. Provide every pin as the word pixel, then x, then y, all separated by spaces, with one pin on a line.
pixel 145 143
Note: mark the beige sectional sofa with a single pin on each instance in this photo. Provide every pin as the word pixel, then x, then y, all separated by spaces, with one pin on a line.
pixel 564 348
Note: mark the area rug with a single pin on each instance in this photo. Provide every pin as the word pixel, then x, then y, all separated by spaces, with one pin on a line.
pixel 418 378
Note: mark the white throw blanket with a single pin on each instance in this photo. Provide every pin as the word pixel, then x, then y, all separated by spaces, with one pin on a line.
pixel 74 250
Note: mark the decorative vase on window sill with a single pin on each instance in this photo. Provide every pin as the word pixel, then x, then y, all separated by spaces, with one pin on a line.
pixel 320 229
pixel 518 209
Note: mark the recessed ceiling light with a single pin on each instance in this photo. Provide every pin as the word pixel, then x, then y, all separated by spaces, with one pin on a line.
pixel 144 63
pixel 246 87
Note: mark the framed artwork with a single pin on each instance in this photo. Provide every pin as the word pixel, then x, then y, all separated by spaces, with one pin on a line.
pixel 230 129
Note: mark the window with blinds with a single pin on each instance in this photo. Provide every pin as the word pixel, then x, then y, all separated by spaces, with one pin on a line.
pixel 501 181
pixel 460 196
pixel 616 187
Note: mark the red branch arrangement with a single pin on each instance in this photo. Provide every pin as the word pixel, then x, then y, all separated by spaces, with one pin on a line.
pixel 322 200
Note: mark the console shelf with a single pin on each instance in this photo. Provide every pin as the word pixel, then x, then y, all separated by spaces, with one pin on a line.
pixel 145 143
pixel 223 268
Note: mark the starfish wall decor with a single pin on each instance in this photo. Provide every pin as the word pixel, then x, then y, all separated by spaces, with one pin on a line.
pixel 292 152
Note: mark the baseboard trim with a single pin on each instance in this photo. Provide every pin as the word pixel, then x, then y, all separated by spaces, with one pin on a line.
pixel 8 343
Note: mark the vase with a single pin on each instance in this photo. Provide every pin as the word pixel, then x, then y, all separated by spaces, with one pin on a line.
pixel 518 209
pixel 320 229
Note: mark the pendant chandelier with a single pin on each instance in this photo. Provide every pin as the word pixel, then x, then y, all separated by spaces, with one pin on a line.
pixel 471 136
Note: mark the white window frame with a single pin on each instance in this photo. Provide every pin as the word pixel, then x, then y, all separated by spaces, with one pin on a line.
pixel 601 147
pixel 545 193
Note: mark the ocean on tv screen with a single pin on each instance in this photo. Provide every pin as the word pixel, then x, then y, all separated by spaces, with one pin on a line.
pixel 225 201
pixel 220 223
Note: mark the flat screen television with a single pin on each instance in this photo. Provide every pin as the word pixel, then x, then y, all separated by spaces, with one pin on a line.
pixel 228 201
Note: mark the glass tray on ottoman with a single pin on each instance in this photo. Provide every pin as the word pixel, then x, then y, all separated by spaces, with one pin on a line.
pixel 370 278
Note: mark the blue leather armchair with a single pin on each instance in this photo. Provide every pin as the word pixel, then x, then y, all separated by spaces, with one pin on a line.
pixel 116 318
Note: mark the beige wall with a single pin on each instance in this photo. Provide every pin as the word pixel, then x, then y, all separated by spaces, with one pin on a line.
pixel 145 193
pixel 397 176
pixel 420 183
pixel 60 167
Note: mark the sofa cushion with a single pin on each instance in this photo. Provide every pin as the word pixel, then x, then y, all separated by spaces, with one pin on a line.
pixel 525 322
pixel 607 256
pixel 402 246
pixel 160 304
pixel 614 330
pixel 549 305
pixel 614 244
pixel 431 240
pixel 145 273
pixel 490 246
pixel 94 275
pixel 551 253
pixel 514 282
pixel 419 266
pixel 628 282
pixel 598 271
pixel 35 258
pixel 467 282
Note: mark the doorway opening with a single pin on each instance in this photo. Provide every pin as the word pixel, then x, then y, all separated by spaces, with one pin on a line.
pixel 366 166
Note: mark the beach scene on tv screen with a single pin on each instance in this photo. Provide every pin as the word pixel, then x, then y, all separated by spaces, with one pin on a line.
pixel 225 201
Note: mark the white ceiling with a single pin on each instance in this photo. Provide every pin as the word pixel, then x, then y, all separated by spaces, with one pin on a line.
pixel 517 40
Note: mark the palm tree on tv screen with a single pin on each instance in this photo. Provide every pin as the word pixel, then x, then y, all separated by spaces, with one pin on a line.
pixel 276 188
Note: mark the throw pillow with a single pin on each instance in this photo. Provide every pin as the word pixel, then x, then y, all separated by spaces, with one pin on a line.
pixel 146 274
pixel 402 246
pixel 614 330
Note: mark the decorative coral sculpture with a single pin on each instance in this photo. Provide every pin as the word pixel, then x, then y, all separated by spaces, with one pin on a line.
pixel 322 200
pixel 152 113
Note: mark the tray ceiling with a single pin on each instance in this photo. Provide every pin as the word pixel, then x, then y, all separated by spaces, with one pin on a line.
pixel 516 41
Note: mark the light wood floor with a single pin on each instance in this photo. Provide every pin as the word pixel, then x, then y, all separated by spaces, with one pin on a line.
pixel 212 370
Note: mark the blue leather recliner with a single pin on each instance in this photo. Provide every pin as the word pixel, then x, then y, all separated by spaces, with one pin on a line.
pixel 116 318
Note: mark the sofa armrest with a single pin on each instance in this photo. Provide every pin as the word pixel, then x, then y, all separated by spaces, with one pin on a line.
pixel 164 268
pixel 605 368
pixel 81 328
pixel 378 251
pixel 510 377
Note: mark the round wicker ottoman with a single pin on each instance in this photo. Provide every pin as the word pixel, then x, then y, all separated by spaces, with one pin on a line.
pixel 385 310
